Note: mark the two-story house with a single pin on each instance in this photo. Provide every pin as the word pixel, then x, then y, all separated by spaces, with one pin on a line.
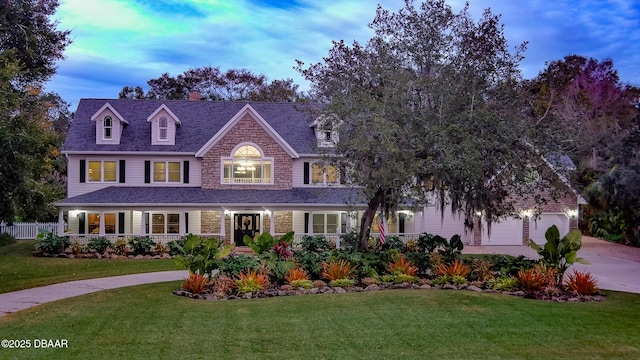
pixel 225 169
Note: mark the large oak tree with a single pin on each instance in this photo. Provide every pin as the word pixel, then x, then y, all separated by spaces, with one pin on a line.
pixel 430 109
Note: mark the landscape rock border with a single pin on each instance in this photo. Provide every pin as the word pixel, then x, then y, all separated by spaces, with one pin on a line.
pixel 288 290
pixel 106 255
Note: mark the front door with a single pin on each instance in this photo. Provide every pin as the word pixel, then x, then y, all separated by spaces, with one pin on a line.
pixel 245 224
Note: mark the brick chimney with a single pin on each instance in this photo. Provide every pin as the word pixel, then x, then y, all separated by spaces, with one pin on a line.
pixel 194 96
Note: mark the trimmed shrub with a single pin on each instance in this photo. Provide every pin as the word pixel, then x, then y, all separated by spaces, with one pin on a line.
pixel 50 243
pixel 141 245
pixel 99 244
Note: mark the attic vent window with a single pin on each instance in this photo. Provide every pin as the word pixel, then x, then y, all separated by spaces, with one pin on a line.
pixel 108 127
pixel 162 128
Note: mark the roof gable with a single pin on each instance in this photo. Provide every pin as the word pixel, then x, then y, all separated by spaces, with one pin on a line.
pixel 161 108
pixel 108 106
pixel 247 109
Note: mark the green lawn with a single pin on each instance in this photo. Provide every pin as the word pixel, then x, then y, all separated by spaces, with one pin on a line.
pixel 19 270
pixel 149 322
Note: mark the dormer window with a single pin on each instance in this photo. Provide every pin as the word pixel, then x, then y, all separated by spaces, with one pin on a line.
pixel 164 125
pixel 162 128
pixel 108 127
pixel 326 129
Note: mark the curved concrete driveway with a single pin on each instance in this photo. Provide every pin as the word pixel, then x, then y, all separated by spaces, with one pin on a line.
pixel 616 267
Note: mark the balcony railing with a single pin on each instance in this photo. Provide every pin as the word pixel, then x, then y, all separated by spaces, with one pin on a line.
pixel 247 181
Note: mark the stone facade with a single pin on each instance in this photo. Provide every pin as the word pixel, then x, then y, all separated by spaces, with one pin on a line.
pixel 210 221
pixel 283 221
pixel 247 130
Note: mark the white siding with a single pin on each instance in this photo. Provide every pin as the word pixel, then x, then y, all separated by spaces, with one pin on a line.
pixel 136 222
pixel 134 171
pixel 73 222
pixel 444 223
pixel 297 178
pixel 194 222
pixel 298 222
pixel 128 222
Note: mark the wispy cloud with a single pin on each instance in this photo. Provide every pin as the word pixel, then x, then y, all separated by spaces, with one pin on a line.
pixel 120 43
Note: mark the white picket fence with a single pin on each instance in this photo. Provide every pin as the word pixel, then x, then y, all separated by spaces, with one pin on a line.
pixel 23 231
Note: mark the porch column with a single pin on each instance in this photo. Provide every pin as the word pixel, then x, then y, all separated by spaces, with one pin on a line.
pixel 101 231
pixel 310 222
pixel 61 223
pixel 143 224
pixel 223 228
pixel 272 222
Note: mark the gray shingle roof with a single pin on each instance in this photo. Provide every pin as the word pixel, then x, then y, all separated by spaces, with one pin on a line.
pixel 151 196
pixel 201 120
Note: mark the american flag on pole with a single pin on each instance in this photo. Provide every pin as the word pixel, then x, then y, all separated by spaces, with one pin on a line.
pixel 383 235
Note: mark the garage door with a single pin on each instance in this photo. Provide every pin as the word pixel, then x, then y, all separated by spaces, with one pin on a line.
pixel 506 232
pixel 538 227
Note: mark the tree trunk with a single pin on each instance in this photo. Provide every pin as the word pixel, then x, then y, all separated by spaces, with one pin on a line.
pixel 367 220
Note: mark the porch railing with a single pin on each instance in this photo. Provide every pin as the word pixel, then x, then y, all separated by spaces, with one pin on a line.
pixel 82 239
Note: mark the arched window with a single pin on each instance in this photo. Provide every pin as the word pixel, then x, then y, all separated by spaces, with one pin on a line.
pixel 108 127
pixel 162 128
pixel 247 166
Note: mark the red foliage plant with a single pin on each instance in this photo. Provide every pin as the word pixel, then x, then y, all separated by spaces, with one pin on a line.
pixel 530 280
pixel 400 264
pixel 195 284
pixel 457 268
pixel 252 279
pixel 337 270
pixel 296 274
pixel 582 283
pixel 282 249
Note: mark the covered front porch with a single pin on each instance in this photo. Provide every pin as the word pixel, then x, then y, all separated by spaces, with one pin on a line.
pixel 170 213
pixel 230 225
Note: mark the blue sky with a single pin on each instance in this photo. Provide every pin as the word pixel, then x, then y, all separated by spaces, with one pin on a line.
pixel 118 43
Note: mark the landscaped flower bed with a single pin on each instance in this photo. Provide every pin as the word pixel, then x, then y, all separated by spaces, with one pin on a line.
pixel 288 290
pixel 431 262
pixel 137 247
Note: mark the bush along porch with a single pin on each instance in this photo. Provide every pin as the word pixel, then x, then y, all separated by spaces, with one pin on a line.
pixel 315 266
pixel 49 244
